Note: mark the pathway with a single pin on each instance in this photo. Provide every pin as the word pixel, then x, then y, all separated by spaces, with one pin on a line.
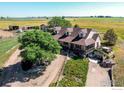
pixel 97 76
pixel 12 66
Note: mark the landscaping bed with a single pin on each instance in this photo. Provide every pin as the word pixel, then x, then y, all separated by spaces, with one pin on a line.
pixel 75 73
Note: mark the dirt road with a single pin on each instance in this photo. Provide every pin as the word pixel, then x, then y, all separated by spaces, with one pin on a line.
pixel 97 76
pixel 13 75
pixel 6 34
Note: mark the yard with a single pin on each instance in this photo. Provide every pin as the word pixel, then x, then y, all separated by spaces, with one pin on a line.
pixel 6 50
pixel 75 73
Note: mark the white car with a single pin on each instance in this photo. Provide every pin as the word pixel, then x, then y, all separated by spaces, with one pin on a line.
pixel 93 61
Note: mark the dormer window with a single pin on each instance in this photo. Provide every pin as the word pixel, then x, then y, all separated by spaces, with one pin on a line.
pixel 82 35
pixel 67 33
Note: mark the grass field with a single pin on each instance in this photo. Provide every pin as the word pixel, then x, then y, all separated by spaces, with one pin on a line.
pixel 5 46
pixel 101 24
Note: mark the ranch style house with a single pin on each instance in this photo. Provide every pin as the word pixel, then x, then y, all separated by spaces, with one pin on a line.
pixel 79 40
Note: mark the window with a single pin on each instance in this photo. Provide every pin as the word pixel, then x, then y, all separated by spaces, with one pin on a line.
pixel 78 46
pixel 90 46
pixel 82 34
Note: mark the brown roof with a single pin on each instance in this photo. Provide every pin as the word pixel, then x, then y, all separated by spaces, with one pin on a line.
pixel 73 37
pixel 67 39
pixel 57 28
pixel 95 36
pixel 61 33
pixel 84 42
pixel 56 37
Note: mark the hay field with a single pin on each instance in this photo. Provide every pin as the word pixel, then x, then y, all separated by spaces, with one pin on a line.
pixel 5 23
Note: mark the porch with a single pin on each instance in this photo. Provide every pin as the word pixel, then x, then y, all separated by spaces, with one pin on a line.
pixel 78 49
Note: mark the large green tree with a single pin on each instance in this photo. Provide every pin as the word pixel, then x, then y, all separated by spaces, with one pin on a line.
pixel 38 46
pixel 59 21
pixel 111 37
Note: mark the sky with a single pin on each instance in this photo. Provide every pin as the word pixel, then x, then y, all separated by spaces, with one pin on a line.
pixel 29 9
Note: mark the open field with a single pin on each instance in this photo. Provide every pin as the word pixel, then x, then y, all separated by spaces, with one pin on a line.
pixel 101 24
pixel 5 23
pixel 5 46
pixel 118 70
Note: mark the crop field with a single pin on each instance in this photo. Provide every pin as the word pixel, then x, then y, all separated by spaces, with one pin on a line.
pixel 5 23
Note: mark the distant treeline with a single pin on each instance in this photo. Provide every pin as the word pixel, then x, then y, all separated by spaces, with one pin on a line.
pixel 46 17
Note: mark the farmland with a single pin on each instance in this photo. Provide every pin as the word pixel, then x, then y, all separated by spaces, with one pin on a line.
pixel 101 24
pixel 5 23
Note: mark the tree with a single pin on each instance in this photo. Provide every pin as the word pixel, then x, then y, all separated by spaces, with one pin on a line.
pixel 63 17
pixel 38 46
pixel 76 26
pixel 58 21
pixel 110 36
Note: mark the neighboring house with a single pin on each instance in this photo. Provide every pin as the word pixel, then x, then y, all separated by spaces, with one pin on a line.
pixel 44 27
pixel 79 40
pixel 13 27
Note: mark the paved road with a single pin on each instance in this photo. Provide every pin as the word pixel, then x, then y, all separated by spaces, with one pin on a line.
pixel 97 76
pixel 13 75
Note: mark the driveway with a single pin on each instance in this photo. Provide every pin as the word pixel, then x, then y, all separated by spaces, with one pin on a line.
pixel 13 74
pixel 97 76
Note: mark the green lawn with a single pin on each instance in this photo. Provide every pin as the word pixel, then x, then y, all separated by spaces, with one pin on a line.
pixel 5 46
pixel 75 73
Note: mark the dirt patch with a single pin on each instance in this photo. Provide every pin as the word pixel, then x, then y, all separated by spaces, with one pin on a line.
pixel 6 34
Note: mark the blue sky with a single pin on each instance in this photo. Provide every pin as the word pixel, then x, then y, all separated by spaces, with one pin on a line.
pixel 24 9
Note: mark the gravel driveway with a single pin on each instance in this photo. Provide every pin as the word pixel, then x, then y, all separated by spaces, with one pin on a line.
pixel 97 76
pixel 13 72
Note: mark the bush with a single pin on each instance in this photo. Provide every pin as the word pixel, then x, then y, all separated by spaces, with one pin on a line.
pixel 75 73
pixel 111 37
